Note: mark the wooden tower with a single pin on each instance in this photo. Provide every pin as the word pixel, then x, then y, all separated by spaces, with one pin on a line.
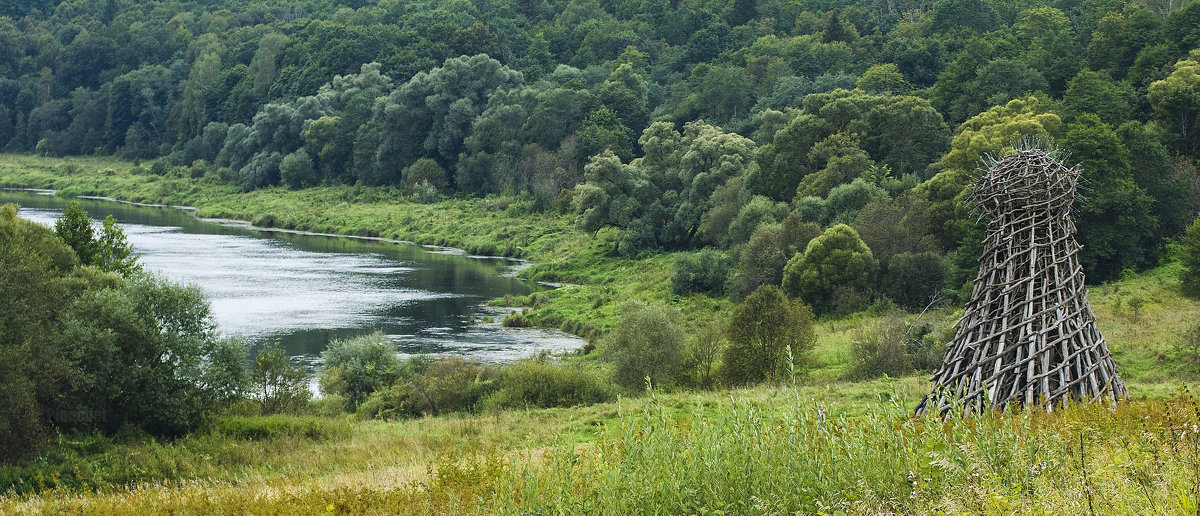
pixel 1027 335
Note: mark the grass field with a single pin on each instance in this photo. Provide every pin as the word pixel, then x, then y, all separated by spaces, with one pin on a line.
pixel 759 451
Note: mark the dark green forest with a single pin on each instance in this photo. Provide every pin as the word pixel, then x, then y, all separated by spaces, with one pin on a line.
pixel 747 126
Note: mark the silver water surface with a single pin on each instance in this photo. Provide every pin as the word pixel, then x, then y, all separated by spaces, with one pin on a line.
pixel 303 290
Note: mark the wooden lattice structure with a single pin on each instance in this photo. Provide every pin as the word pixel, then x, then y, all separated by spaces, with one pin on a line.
pixel 1027 335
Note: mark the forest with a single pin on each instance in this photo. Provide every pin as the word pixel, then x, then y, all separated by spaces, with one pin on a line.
pixel 688 126
pixel 800 169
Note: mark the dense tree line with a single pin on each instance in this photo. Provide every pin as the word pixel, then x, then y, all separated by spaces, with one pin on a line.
pixel 747 126
pixel 90 341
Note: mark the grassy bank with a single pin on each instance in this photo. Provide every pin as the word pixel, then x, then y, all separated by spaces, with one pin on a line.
pixel 758 451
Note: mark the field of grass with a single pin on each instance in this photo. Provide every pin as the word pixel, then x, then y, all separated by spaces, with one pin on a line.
pixel 765 450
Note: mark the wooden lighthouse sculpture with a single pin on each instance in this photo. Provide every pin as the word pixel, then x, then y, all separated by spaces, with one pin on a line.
pixel 1027 335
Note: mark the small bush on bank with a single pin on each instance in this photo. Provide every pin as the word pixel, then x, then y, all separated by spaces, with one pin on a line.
pixel 703 272
pixel 539 382
pixel 277 425
pixel 647 343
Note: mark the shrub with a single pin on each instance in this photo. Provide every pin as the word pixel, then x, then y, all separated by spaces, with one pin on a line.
pixel 449 384
pixel 914 280
pixel 280 385
pixel 703 350
pixel 895 346
pixel 296 170
pixel 278 425
pixel 356 367
pixel 1189 277
pixel 539 382
pixel 837 258
pixel 881 350
pixel 761 331
pixel 703 272
pixel 647 342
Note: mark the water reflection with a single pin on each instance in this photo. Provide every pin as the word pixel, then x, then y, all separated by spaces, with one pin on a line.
pixel 303 290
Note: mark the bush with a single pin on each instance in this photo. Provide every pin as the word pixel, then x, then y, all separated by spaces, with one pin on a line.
pixel 914 280
pixel 881 350
pixel 278 425
pixel 296 170
pixel 703 272
pixel 354 368
pixel 838 258
pixel 896 347
pixel 280 385
pixel 762 330
pixel 703 350
pixel 449 384
pixel 539 382
pixel 647 343
pixel 1189 277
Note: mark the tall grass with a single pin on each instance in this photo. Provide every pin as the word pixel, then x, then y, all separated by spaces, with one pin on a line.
pixel 765 451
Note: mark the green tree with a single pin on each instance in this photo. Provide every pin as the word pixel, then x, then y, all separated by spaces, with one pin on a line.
pixel 279 385
pixel 914 281
pixel 1189 276
pixel 1176 103
pixel 1096 92
pixel 429 116
pixel 356 367
pixel 114 253
pixel 703 272
pixel 601 131
pixel 32 369
pixel 75 228
pixel 148 354
pixel 648 342
pixel 1116 228
pixel 762 330
pixel 1170 185
pixel 625 93
pixel 296 170
pixel 884 78
pixel 836 259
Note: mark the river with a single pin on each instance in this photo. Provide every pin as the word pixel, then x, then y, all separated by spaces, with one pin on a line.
pixel 304 290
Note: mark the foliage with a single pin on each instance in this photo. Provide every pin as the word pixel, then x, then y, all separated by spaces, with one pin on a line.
pixel 914 281
pixel 539 382
pixel 763 330
pixel 1176 103
pixel 75 228
pixel 1115 223
pixel 358 366
pixel 836 259
pixel 703 272
pixel 648 343
pixel 88 349
pixel 279 385
pixel 1190 256
pixel 111 252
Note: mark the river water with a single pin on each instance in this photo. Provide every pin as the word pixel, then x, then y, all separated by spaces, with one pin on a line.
pixel 304 290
